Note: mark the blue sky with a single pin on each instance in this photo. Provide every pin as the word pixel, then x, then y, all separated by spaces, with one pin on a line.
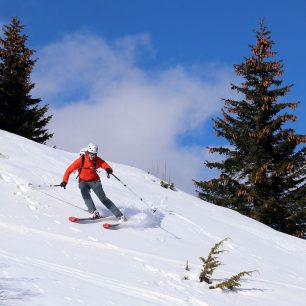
pixel 170 58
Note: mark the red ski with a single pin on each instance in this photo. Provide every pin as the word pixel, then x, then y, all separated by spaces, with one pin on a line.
pixel 111 225
pixel 83 220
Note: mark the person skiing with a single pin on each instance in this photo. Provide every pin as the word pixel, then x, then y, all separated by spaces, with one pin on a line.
pixel 89 179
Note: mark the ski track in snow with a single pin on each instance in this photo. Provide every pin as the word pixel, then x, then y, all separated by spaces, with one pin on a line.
pixel 92 242
pixel 22 189
pixel 22 230
pixel 198 229
pixel 100 281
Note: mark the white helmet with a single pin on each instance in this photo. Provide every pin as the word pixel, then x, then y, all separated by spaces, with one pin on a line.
pixel 92 148
pixel 82 151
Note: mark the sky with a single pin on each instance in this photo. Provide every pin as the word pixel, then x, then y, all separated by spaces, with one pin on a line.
pixel 143 79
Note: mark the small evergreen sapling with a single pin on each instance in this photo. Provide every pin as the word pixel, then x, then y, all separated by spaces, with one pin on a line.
pixel 187 268
pixel 232 282
pixel 211 263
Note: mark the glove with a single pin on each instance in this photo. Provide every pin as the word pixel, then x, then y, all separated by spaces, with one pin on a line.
pixel 63 184
pixel 109 171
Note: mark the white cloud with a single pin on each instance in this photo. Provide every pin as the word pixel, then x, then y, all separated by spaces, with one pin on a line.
pixel 99 93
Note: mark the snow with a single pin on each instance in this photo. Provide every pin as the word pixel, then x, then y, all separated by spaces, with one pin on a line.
pixel 47 260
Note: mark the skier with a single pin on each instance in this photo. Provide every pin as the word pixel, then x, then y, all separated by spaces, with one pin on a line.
pixel 89 179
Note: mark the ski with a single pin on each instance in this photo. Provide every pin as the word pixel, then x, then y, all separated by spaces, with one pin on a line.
pixel 111 225
pixel 84 220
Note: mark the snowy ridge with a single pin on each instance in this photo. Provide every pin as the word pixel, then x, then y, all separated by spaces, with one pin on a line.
pixel 47 260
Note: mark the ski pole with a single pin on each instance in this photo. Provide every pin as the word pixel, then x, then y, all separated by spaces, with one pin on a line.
pixel 133 192
pixel 61 200
pixel 56 185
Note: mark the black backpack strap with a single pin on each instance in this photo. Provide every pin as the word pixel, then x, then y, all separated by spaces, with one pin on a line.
pixel 83 159
pixel 82 165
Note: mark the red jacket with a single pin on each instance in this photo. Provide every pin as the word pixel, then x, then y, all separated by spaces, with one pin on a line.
pixel 88 172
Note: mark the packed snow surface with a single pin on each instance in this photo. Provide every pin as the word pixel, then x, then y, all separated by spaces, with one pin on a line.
pixel 47 260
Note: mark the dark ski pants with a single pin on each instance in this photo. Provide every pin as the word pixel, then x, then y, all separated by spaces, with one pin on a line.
pixel 98 190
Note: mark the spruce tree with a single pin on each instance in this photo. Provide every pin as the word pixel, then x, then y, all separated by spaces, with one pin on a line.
pixel 263 172
pixel 19 112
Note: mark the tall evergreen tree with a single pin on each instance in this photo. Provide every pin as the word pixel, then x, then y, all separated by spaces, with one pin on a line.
pixel 19 112
pixel 263 172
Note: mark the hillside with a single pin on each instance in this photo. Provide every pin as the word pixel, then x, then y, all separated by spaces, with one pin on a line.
pixel 47 260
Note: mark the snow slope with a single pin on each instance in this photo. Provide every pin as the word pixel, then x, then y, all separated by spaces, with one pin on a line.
pixel 47 260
